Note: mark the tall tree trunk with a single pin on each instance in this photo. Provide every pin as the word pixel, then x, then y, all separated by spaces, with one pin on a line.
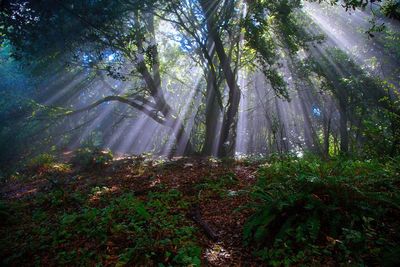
pixel 310 134
pixel 212 116
pixel 327 132
pixel 395 123
pixel 344 135
pixel 213 101
pixel 226 146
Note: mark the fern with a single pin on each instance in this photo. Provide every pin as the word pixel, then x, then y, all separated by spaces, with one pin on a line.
pixel 320 208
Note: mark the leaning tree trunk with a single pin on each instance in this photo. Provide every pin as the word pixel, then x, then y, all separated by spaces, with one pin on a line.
pixel 153 83
pixel 182 138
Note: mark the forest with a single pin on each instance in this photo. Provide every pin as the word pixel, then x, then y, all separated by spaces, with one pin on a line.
pixel 199 133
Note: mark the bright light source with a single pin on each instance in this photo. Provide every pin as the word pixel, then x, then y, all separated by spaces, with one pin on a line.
pixel 111 57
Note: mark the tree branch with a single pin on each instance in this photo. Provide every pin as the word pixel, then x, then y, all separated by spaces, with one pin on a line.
pixel 143 107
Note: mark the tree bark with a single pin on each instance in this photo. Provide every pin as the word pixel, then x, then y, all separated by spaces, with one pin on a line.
pixel 213 102
pixel 344 135
pixel 212 116
pixel 327 133
pixel 154 85
pixel 226 147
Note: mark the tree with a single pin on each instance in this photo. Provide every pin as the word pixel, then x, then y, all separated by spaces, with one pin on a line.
pixel 90 29
pixel 228 39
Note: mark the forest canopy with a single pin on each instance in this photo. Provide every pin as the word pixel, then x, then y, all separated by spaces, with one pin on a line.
pixel 256 77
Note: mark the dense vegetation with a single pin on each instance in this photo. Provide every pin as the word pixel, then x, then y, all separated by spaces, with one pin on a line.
pixel 295 211
pixel 199 133
pixel 341 210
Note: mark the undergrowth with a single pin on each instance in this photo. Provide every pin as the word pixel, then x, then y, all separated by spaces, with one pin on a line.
pixel 308 211
pixel 216 186
pixel 91 158
pixel 302 212
pixel 124 230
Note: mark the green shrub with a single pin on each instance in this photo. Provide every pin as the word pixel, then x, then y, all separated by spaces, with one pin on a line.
pixel 91 157
pixel 391 9
pixel 41 161
pixel 308 211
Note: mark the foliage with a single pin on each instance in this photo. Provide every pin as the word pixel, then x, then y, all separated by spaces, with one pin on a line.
pixel 311 211
pixel 91 157
pixel 41 161
pixel 304 211
pixel 368 102
pixel 144 233
pixel 391 9
pixel 217 185
pixel 380 139
pixel 117 37
pixel 16 127
pixel 25 122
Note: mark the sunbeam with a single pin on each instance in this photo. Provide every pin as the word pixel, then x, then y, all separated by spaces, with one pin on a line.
pixel 199 132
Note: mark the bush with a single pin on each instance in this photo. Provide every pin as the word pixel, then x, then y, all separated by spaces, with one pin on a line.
pixel 40 162
pixel 315 212
pixel 135 232
pixel 89 158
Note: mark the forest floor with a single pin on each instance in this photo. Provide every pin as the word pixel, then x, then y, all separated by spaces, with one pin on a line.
pixel 90 209
pixel 213 192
